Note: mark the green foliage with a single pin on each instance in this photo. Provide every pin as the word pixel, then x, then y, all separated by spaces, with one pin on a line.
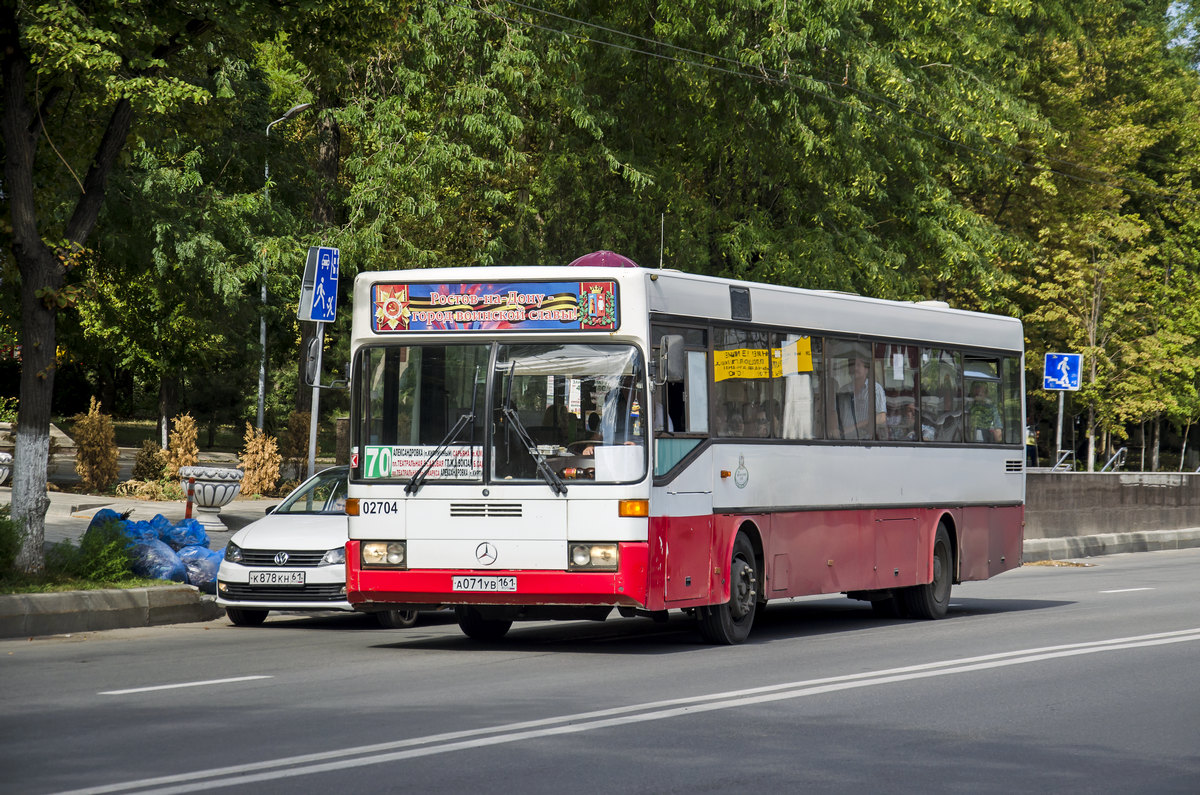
pixel 8 409
pixel 103 555
pixel 10 540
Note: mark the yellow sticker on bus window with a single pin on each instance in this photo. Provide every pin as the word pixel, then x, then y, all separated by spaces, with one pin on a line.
pixel 741 363
pixel 794 357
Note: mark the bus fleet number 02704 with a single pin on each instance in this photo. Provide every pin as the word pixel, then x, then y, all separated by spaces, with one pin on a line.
pixel 368 507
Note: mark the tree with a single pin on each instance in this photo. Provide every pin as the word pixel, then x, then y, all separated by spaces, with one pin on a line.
pixel 64 66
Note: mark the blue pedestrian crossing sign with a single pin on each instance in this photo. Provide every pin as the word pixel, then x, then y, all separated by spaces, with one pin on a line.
pixel 1062 371
pixel 318 288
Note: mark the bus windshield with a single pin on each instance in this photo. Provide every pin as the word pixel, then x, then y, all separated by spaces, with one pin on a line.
pixel 573 407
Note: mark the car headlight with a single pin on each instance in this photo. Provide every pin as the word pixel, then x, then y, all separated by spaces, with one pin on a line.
pixel 592 557
pixel 334 557
pixel 391 554
pixel 233 553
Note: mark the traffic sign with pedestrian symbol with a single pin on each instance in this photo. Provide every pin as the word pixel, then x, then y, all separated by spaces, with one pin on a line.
pixel 1062 371
pixel 318 289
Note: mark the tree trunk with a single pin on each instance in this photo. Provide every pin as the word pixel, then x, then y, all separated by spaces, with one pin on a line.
pixel 1091 439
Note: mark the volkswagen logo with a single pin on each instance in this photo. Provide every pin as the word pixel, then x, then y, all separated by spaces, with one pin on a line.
pixel 281 558
pixel 485 553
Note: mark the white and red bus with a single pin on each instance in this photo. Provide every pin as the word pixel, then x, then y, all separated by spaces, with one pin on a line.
pixel 556 442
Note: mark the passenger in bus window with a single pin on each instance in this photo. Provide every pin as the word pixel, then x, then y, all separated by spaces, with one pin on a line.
pixel 762 422
pixel 985 417
pixel 857 412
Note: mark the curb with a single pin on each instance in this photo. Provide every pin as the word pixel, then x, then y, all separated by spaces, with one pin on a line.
pixel 26 615
pixel 1036 549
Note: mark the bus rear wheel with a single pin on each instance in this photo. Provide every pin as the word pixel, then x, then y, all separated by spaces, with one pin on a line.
pixel 730 623
pixel 932 599
pixel 476 627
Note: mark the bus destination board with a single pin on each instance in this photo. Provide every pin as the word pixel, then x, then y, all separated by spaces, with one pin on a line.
pixel 503 306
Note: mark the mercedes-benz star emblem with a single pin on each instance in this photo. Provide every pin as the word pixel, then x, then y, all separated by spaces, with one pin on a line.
pixel 281 558
pixel 485 553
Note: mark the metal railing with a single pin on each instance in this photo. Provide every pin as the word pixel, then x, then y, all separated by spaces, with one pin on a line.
pixel 1065 462
pixel 1117 461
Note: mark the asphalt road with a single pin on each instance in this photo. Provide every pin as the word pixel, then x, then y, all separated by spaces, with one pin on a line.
pixel 1043 680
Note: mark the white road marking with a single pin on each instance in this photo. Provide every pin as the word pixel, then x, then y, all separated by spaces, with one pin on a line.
pixel 449 742
pixel 181 684
pixel 1128 590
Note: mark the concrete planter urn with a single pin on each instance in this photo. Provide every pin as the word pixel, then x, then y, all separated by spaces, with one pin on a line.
pixel 215 487
pixel 5 467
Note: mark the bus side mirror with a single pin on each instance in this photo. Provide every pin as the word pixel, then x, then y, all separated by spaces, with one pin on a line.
pixel 670 359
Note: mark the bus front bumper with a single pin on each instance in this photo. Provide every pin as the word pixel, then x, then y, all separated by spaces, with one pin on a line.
pixel 628 585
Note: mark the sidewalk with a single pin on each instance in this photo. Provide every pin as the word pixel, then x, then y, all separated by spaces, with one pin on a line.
pixel 69 514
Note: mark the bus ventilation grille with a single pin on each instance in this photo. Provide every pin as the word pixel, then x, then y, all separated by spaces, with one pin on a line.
pixel 485 510
pixel 1013 466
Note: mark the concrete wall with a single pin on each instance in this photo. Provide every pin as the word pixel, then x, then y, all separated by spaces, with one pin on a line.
pixel 1065 505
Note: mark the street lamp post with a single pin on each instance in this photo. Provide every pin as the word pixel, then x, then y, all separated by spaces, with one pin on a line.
pixel 262 317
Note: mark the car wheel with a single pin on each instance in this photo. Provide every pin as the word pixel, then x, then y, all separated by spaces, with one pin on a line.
pixel 241 617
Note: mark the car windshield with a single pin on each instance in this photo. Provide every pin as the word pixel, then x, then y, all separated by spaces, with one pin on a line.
pixel 554 412
pixel 324 493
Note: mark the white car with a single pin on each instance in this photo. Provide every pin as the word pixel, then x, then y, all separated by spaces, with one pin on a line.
pixel 294 558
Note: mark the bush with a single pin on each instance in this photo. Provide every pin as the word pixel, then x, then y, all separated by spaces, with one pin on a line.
pixel 10 539
pixel 103 555
pixel 151 489
pixel 149 463
pixel 181 446
pixel 95 449
pixel 260 462
pixel 9 408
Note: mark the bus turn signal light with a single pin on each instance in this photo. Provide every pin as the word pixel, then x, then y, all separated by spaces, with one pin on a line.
pixel 352 506
pixel 633 508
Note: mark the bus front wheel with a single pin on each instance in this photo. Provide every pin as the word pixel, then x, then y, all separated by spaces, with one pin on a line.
pixel 476 627
pixel 932 599
pixel 730 623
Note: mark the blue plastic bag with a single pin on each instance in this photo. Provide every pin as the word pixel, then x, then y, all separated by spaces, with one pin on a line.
pixel 104 516
pixel 155 560
pixel 201 564
pixel 184 533
pixel 140 531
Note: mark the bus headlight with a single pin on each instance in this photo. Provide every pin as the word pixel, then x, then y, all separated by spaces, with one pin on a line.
pixel 591 557
pixel 390 554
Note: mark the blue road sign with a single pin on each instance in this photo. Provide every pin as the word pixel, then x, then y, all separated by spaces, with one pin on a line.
pixel 318 288
pixel 1062 371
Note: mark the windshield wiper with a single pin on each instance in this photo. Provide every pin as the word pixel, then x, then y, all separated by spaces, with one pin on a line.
pixel 552 479
pixel 418 477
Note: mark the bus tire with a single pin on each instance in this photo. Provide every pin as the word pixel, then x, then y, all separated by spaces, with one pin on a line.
pixel 476 627
pixel 932 599
pixel 396 619
pixel 730 623
pixel 242 617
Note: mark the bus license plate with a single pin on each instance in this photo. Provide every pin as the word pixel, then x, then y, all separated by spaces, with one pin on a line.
pixel 277 578
pixel 485 584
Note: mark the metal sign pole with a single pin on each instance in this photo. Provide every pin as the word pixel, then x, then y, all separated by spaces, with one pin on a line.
pixel 1058 444
pixel 316 402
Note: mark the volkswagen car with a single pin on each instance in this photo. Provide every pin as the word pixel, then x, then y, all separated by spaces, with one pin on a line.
pixel 294 558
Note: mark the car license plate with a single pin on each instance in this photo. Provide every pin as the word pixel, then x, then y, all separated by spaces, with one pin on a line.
pixel 277 578
pixel 485 584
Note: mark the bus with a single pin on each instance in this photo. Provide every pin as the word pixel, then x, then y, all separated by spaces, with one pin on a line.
pixel 556 442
